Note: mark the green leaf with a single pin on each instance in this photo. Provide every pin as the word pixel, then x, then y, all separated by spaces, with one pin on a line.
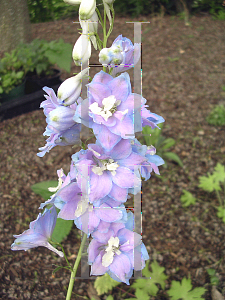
pixel 104 284
pixel 60 54
pixel 219 173
pixel 168 143
pixel 41 188
pixel 211 272
pixel 156 276
pixel 141 295
pixel 61 230
pixel 187 199
pixel 208 184
pixel 183 290
pixel 174 157
pixel 221 213
pixel 57 269
pixel 214 280
pixel 110 297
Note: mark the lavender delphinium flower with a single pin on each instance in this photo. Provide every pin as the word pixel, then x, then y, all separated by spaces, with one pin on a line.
pixel 112 109
pixel 39 233
pixel 61 128
pixel 117 252
pixel 110 173
pixel 152 160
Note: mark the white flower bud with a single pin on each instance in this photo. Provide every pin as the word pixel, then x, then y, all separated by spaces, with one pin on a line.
pixel 105 56
pixel 87 8
pixel 73 2
pixel 82 50
pixel 90 25
pixel 69 91
pixel 109 1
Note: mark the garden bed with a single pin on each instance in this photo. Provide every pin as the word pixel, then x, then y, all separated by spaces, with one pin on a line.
pixel 183 76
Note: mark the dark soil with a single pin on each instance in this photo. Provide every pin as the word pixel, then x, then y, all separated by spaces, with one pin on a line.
pixel 183 74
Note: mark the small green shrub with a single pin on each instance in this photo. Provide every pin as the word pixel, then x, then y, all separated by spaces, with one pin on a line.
pixel 217 116
pixel 39 57
pixel 214 182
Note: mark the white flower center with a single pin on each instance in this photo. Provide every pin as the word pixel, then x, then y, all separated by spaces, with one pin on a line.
pixel 111 250
pixel 82 206
pixel 109 107
pixel 105 165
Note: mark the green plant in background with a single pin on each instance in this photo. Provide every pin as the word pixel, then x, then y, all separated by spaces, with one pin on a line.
pixel 49 10
pixel 39 57
pixel 214 182
pixel 214 280
pixel 155 138
pixel 187 199
pixel 183 290
pixel 149 286
pixel 217 116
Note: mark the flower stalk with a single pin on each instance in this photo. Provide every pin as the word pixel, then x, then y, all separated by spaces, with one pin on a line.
pixel 76 264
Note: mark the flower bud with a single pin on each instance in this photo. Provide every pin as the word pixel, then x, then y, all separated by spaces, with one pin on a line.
pixel 117 58
pixel 87 8
pixel 73 2
pixel 109 1
pixel 61 118
pixel 82 50
pixel 69 91
pixel 105 56
pixel 90 25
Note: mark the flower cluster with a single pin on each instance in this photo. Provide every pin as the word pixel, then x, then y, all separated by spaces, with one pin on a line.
pixel 102 175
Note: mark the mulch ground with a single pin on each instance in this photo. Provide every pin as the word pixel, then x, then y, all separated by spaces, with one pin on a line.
pixel 183 70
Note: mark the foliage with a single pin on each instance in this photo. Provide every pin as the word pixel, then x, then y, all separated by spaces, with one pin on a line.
pixel 187 199
pixel 61 230
pixel 41 188
pixel 214 7
pixel 214 182
pixel 183 291
pixel 39 56
pixel 155 138
pixel 157 276
pixel 214 280
pixel 50 10
pixel 211 182
pixel 146 287
pixel 217 116
pixel 104 284
pixel 62 227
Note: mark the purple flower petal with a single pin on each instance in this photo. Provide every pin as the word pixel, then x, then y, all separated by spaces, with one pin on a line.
pixel 120 266
pixel 118 193
pixel 105 137
pixel 97 267
pixel 98 91
pixel 124 178
pixel 124 128
pixel 120 87
pixel 102 77
pixel 100 186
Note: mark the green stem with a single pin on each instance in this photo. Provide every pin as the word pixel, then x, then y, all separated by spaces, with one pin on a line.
pixel 219 198
pixel 76 264
pixel 224 192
